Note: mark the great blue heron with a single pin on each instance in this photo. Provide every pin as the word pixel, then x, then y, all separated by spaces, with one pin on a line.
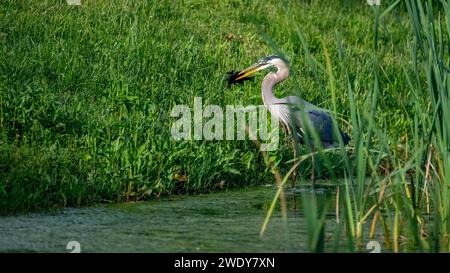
pixel 293 112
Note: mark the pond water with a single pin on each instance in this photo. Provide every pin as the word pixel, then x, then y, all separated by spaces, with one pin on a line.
pixel 225 221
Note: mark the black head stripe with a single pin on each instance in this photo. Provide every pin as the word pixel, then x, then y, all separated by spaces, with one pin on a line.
pixel 268 58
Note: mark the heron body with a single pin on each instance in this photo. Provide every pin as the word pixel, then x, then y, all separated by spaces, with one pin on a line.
pixel 292 111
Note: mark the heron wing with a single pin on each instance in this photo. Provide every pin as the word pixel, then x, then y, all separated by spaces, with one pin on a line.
pixel 323 125
pixel 319 119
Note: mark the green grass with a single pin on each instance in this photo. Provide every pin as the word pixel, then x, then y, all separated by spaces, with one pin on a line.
pixel 86 91
pixel 86 94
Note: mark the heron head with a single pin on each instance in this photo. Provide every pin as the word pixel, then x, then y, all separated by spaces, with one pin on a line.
pixel 266 62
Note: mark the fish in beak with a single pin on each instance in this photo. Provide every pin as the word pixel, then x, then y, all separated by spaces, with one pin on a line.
pixel 235 77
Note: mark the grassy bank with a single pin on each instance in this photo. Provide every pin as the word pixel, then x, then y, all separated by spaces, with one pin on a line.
pixel 86 92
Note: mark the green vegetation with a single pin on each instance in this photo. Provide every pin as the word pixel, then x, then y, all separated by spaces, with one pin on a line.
pixel 86 94
pixel 396 182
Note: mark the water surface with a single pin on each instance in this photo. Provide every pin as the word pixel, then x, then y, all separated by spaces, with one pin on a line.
pixel 226 221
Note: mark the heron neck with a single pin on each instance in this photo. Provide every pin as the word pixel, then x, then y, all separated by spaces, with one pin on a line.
pixel 270 80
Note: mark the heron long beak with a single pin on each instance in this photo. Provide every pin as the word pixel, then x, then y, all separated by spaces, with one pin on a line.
pixel 251 70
